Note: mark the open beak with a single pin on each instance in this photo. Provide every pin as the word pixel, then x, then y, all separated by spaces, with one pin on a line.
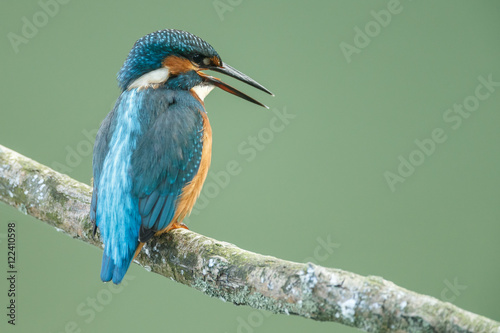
pixel 233 72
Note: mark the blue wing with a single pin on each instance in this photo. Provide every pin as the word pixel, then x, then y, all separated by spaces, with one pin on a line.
pixel 166 158
pixel 114 209
pixel 147 149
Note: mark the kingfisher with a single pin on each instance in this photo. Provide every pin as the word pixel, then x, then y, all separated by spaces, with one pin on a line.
pixel 153 150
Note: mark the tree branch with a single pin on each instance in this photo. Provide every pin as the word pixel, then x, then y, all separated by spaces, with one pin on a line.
pixel 222 270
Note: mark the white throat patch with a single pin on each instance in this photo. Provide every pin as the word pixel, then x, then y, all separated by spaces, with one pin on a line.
pixel 202 90
pixel 151 79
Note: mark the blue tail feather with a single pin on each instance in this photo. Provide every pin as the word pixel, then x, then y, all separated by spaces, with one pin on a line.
pixel 107 268
pixel 119 272
pixel 111 271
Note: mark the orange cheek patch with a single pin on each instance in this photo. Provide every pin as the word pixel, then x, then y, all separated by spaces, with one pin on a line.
pixel 177 65
pixel 215 61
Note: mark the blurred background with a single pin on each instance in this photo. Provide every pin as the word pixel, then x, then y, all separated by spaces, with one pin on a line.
pixel 379 155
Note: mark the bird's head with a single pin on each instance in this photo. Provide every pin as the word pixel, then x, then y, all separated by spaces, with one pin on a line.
pixel 177 58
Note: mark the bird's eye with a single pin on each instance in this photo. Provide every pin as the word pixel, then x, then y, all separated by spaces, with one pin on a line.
pixel 201 60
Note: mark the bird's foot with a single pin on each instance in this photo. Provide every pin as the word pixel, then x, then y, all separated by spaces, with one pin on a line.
pixel 176 225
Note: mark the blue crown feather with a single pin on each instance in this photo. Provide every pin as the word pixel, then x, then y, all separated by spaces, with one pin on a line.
pixel 149 51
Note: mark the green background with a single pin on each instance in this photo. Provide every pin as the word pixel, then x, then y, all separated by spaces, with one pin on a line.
pixel 320 178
